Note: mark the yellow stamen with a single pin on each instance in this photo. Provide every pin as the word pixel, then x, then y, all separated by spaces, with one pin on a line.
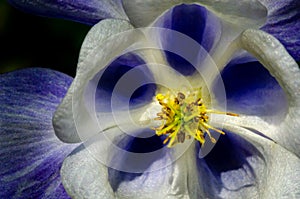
pixel 185 117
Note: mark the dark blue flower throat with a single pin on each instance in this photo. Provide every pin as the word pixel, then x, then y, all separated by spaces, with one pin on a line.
pixel 137 145
pixel 230 154
pixel 138 78
pixel 251 89
pixel 194 21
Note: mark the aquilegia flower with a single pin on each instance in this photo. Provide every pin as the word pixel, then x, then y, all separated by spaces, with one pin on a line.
pixel 139 90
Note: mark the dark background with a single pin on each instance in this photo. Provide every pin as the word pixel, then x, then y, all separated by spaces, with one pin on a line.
pixel 27 40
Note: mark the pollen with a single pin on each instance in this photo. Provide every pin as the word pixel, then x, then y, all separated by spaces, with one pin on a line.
pixel 185 116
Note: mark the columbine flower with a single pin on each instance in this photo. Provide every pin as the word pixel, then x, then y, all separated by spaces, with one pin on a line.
pixel 257 157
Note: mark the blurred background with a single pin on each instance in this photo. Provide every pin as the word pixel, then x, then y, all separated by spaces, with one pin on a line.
pixel 31 41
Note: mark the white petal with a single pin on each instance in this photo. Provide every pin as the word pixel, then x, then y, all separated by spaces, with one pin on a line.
pixel 246 13
pixel 87 172
pixel 272 54
pixel 282 66
pixel 98 35
pixel 235 17
pixel 218 56
pixel 142 12
pixel 89 65
pixel 243 12
pixel 84 177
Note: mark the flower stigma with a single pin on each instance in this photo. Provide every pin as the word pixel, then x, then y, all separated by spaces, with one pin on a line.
pixel 185 116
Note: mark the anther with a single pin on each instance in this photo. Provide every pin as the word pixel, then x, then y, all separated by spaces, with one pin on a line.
pixel 185 118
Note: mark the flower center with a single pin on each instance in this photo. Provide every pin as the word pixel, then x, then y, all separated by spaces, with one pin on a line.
pixel 185 116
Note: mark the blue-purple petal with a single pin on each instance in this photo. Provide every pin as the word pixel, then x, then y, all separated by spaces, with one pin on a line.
pixel 139 78
pixel 250 89
pixel 284 23
pixel 30 154
pixel 194 21
pixel 88 12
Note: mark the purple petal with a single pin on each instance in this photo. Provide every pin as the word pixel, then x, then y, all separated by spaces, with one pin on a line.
pixel 30 154
pixel 138 79
pixel 89 12
pixel 250 89
pixel 284 23
pixel 196 22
